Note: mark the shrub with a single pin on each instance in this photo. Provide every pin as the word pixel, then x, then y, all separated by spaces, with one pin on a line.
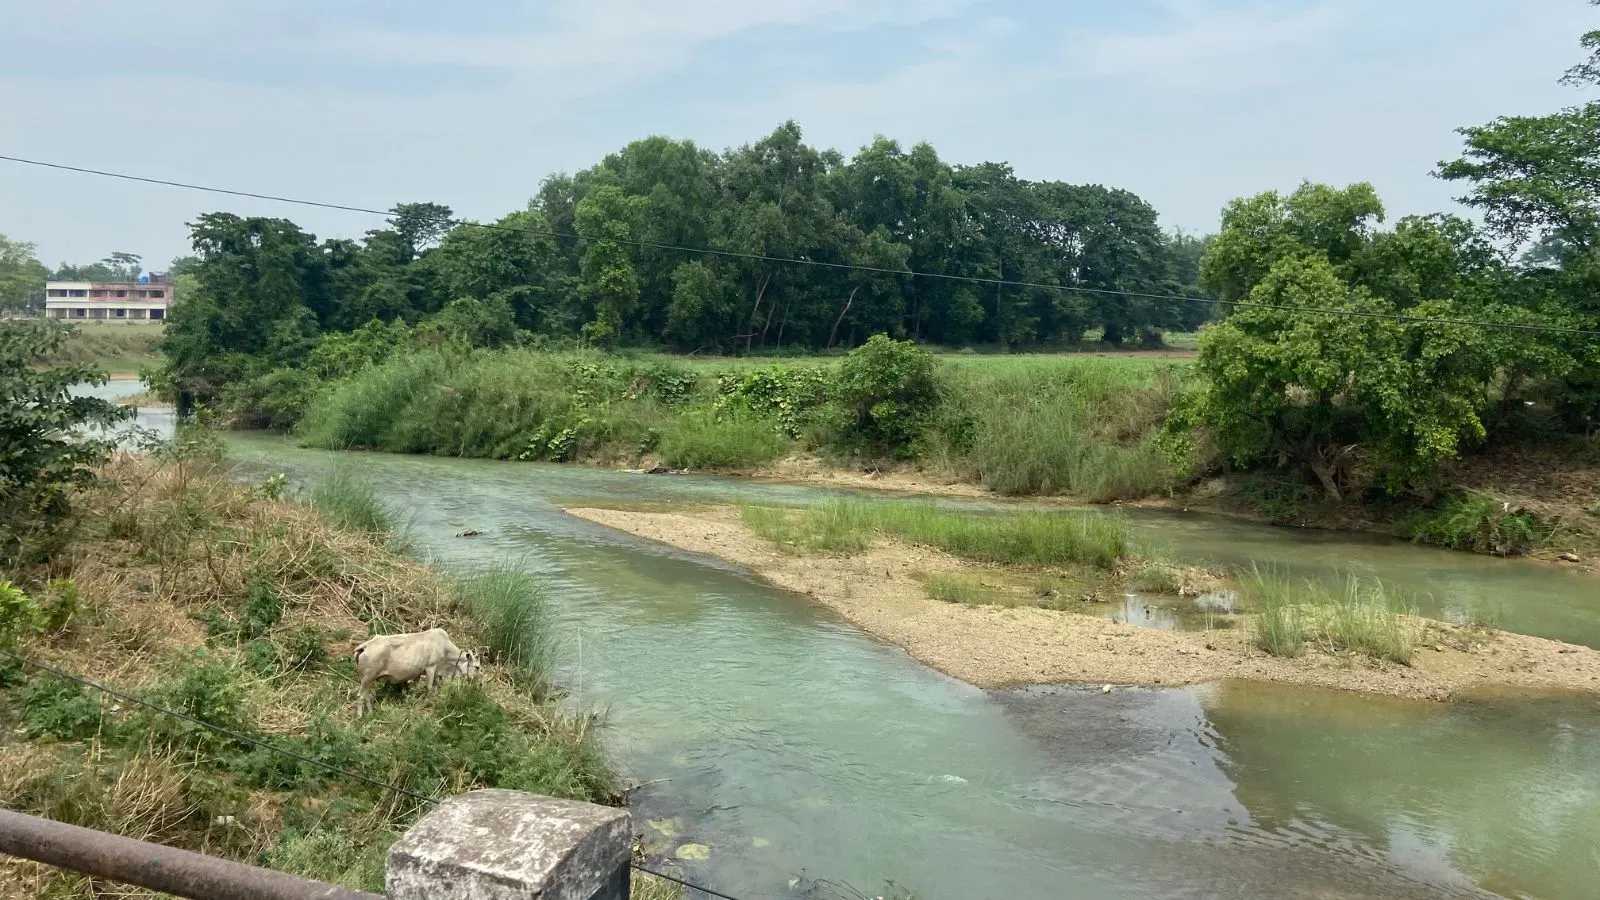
pixel 262 607
pixel 302 647
pixel 209 689
pixel 59 708
pixel 885 392
pixel 52 440
pixel 352 502
pixel 1481 523
pixel 62 604
pixel 512 606
pixel 736 439
pixel 793 395
pixel 276 399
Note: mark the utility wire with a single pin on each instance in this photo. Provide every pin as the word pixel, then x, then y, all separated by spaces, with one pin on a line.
pixel 853 267
pixel 346 773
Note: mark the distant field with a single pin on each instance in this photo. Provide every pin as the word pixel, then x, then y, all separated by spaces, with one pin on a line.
pixel 118 349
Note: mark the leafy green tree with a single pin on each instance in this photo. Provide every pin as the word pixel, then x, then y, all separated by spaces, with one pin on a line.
pixel 1311 377
pixel 45 451
pixel 22 276
pixel 700 309
pixel 476 323
pixel 610 284
pixel 420 226
pixel 886 392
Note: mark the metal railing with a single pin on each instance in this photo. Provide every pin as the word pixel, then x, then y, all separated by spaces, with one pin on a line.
pixel 154 866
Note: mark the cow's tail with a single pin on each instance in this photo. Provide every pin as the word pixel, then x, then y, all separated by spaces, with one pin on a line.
pixel 361 648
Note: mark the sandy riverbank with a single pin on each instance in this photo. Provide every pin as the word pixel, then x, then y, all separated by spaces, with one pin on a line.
pixel 991 647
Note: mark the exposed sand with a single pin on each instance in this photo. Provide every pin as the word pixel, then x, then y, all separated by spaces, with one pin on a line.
pixel 1005 646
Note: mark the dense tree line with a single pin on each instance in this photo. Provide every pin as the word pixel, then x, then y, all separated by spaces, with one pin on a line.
pixel 592 258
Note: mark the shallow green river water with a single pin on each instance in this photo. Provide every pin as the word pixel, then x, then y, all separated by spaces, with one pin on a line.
pixel 794 746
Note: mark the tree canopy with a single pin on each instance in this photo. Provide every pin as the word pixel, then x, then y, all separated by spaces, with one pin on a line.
pixel 608 255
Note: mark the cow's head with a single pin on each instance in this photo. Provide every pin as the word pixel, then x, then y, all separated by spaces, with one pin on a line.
pixel 467 664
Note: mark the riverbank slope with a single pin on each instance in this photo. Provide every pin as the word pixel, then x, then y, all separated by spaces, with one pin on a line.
pixel 236 605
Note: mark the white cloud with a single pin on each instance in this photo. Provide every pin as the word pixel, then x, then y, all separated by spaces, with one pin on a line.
pixel 590 46
pixel 1208 46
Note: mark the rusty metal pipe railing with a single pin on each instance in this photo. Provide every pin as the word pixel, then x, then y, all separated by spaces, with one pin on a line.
pixel 154 866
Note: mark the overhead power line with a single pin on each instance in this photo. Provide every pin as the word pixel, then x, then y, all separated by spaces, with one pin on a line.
pixel 290 754
pixel 796 261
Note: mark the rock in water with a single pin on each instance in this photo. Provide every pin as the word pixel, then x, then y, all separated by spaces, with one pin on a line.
pixel 1106 689
pixel 693 852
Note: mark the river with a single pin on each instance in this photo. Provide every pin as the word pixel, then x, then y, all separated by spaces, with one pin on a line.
pixel 795 747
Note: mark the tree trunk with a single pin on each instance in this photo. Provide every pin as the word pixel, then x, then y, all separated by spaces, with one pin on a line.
pixel 760 290
pixel 1329 476
pixel 849 300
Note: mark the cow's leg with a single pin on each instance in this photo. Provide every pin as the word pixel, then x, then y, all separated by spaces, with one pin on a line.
pixel 364 704
pixel 430 670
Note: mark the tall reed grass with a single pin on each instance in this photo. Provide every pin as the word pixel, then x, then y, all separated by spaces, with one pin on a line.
pixel 1059 426
pixel 1028 539
pixel 512 606
pixel 1360 616
pixel 732 439
pixel 352 502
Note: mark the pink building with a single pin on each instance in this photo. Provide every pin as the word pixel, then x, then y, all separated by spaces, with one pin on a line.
pixel 132 302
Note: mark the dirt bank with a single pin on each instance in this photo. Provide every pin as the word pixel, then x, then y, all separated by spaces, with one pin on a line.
pixel 992 647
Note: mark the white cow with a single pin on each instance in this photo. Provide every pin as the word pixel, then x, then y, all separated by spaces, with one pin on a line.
pixel 403 658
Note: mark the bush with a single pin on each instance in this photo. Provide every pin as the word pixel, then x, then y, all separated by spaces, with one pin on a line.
pixel 48 451
pixel 793 395
pixel 352 503
pixel 703 439
pixel 1481 523
pixel 885 392
pixel 512 606
pixel 209 689
pixel 59 708
pixel 275 400
pixel 262 607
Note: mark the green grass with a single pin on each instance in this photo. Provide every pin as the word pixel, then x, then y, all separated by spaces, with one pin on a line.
pixel 1362 616
pixel 352 502
pixel 1081 426
pixel 965 591
pixel 1026 539
pixel 703 439
pixel 116 349
pixel 1481 523
pixel 279 584
pixel 512 606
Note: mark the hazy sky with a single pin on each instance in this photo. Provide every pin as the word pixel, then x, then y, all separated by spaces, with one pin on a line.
pixel 1187 102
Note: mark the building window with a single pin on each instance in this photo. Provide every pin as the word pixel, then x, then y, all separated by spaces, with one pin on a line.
pixel 80 293
pixel 97 293
pixel 58 314
pixel 119 313
pixel 138 314
pixel 79 313
pixel 158 314
pixel 97 313
pixel 157 295
pixel 55 292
